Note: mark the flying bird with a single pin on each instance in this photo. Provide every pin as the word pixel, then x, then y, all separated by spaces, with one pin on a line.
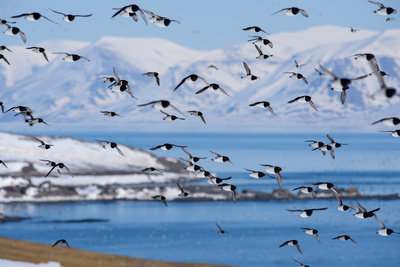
pixel 191 78
pixel 166 146
pixel 151 169
pixel 197 113
pixel 191 158
pixel 169 117
pixel 292 11
pixel 299 65
pixel 292 243
pixel 261 55
pixel 155 75
pixel 296 75
pixel 307 212
pixel 254 29
pixel 326 148
pixel 316 144
pixel 111 145
pixel 354 30
pixel 217 180
pixel 306 190
pixel 159 20
pixel 263 104
pixel 274 170
pixel 183 193
pixel 15 30
pixel 213 86
pixel 69 17
pixel 333 143
pixel 32 17
pixel 304 99
pixel 261 41
pixel 59 167
pixel 230 188
pixel 391 121
pixel 311 231
pixel 133 9
pixel 33 121
pixel 341 207
pixel 43 145
pixel 325 186
pixel 395 133
pixel 61 241
pixel 221 232
pixel 110 113
pixel 341 84
pixel 220 158
pixel 384 11
pixel 385 92
pixel 384 231
pixel 162 198
pixel 212 67
pixel 160 104
pixel 319 72
pixel 248 76
pixel 71 57
pixel 362 212
pixel 344 238
pixel 40 50
pixel 120 85
pixel 257 174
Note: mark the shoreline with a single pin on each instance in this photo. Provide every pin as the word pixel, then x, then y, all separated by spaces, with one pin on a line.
pixel 26 251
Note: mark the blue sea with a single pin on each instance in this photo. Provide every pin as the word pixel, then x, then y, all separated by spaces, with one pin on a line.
pixel 187 231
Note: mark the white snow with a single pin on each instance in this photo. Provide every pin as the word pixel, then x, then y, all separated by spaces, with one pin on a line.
pixel 10 263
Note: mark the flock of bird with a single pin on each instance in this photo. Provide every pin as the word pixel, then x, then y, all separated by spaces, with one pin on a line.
pixel 119 85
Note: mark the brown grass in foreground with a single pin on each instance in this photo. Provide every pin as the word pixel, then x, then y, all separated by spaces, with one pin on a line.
pixel 18 250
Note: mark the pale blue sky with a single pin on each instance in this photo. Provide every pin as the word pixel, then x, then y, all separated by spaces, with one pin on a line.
pixel 205 24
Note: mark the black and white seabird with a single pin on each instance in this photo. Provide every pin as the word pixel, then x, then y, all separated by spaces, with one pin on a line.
pixel 61 241
pixel 15 30
pixel 191 158
pixel 341 206
pixel 384 11
pixel 384 231
pixel 248 75
pixel 197 113
pixel 169 117
pixel 292 243
pixel 304 99
pixel 212 66
pixel 159 20
pixel 43 145
pixel 5 22
pixel 261 55
pixel 183 193
pixel 230 188
pixel 191 78
pixel 32 16
pixel 341 84
pixel 220 231
pixel 59 166
pixel 40 50
pixel 155 75
pixel 165 146
pixel 220 158
pixel 366 56
pixel 162 198
pixel 395 133
pixel 216 180
pixel 161 104
pixel 313 232
pixel 110 113
pixel 307 212
pixel 261 41
pixel 299 65
pixel 132 9
pixel 121 85
pixel 274 170
pixel 69 17
pixel 325 186
pixel 362 212
pixel 71 57
pixel 354 30
pixel 296 75
pixel 33 121
pixel 326 148
pixel 151 169
pixel 306 190
pixel 316 144
pixel 344 238
pixel 390 121
pixel 254 29
pixel 257 174
pixel 108 144
pixel 213 86
pixel 263 104
pixel 292 11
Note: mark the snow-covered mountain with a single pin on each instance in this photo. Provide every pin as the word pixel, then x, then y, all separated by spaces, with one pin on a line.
pixel 71 93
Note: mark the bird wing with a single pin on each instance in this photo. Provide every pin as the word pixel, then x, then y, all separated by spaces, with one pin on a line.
pixel 317 237
pixel 119 11
pixel 165 202
pixel 48 19
pixel 352 240
pixel 57 12
pixel 332 153
pixel 187 152
pixel 58 241
pixel 330 138
pixel 266 165
pixel 69 172
pixel 2 162
pixel 255 103
pixel 320 209
pixel 376 3
pixel 248 71
pixel 158 80
pixel 149 103
pixel 83 15
pixel 203 80
pixel 6 60
pixel 294 210
pixel 23 36
pixel 284 244
pixel 279 178
pixel 176 109
pixel 180 187
pixel 234 196
pixel 362 207
pixel 313 194
pixel 144 18
pixel 304 79
pixel 85 58
pixel 19 16
pixel 304 13
pixel 298 248
pixel 202 90
pixel 380 222
pixel 119 151
pixel 165 113
pixel 218 155
pixel 336 195
pixel 157 147
pixel 223 91
pixel 219 227
pixel 258 49
pixel 116 76
pixel 37 139
pixel 45 56
pixel 361 77
pixel 51 170
pixel 298 262
pixel 183 80
pixel 312 105
pixel 294 100
pixel 355 206
pixel 279 11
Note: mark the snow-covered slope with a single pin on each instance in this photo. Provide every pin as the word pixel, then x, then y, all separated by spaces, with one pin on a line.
pixel 71 93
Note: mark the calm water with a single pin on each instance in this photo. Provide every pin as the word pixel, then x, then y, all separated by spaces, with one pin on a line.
pixel 186 231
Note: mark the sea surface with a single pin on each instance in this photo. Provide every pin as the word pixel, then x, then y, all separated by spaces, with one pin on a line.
pixel 187 231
